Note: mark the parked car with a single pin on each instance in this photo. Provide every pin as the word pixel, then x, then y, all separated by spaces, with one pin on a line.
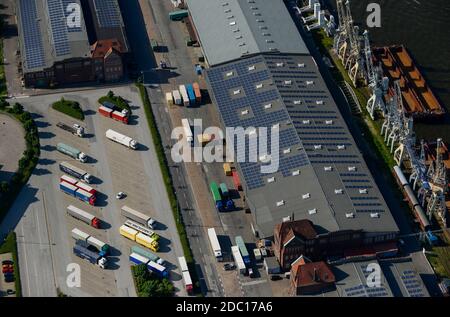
pixel 275 277
pixel 7 262
pixel 10 292
pixel 9 277
pixel 7 269
pixel 120 195
pixel 228 267
pixel 251 273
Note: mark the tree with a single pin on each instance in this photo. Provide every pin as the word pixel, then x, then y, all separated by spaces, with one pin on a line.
pixel 3 104
pixel 26 116
pixel 28 125
pixel 17 108
pixel 110 94
pixel 4 187
pixel 23 162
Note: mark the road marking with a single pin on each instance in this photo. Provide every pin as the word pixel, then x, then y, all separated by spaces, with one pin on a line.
pixel 253 283
pixel 25 258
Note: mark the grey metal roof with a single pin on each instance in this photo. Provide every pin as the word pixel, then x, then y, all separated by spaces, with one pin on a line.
pixel 322 175
pixel 229 29
pixel 352 280
pixel 45 37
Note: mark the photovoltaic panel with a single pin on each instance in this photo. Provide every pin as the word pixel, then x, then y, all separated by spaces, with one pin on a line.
pixel 34 49
pixel 108 13
pixel 58 24
pixel 412 284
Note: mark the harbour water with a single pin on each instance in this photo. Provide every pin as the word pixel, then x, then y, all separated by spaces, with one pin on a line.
pixel 423 26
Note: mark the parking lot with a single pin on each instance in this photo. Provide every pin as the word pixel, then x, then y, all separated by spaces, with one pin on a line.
pixel 11 147
pixel 44 232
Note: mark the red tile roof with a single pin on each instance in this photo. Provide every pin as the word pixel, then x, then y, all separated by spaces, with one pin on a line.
pixel 103 48
pixel 301 228
pixel 314 273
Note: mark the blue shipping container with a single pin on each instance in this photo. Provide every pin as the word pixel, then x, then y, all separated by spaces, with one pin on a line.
pixel 158 269
pixel 191 94
pixel 67 188
pixel 79 194
pixel 138 259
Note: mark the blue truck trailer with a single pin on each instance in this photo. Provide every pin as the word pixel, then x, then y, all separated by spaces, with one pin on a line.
pixel 158 269
pixel 243 249
pixel 91 256
pixel 191 94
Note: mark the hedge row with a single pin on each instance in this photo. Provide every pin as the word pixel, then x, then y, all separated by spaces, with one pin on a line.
pixel 70 108
pixel 9 191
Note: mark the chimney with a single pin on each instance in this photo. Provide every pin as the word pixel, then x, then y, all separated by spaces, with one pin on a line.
pixel 316 276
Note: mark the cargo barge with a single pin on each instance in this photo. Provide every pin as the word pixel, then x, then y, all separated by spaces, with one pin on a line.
pixel 418 99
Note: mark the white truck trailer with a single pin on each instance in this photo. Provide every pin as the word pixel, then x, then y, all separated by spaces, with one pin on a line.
pixel 215 245
pixel 238 259
pixel 187 130
pixel 121 139
pixel 138 216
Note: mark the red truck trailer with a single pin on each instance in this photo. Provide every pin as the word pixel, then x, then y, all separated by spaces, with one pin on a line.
pixel 236 181
pixel 110 113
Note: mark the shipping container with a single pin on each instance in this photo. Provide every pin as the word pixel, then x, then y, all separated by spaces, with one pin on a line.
pixel 146 241
pixel 142 229
pixel 236 181
pixel 184 95
pixel 68 179
pixel 85 196
pixel 83 216
pixel 72 152
pixel 104 111
pixel 243 249
pixel 197 91
pixel 121 139
pixel 108 105
pixel 189 137
pixel 169 98
pixel 178 15
pixel 177 97
pixel 158 269
pixel 89 255
pixel 138 259
pixel 215 245
pixel 75 172
pixel 147 254
pixel 119 116
pixel 238 259
pixel 215 192
pixel 77 234
pixel 86 188
pixel 138 217
pixel 128 232
pixel 183 264
pixel 227 169
pixel 224 190
pixel 191 94
pixel 68 188
pixel 100 245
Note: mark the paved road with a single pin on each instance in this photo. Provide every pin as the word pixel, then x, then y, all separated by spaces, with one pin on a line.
pixel 191 198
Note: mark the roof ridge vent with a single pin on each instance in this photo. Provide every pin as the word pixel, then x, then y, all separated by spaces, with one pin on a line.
pixel 374 215
pixel 350 215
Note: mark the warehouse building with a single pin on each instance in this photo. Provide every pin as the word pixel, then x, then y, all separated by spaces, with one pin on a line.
pixel 322 176
pixel 231 29
pixel 54 52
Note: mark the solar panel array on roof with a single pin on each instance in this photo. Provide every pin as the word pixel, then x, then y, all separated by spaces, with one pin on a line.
pixel 58 25
pixel 34 49
pixel 412 284
pixel 247 80
pixel 108 13
pixel 286 90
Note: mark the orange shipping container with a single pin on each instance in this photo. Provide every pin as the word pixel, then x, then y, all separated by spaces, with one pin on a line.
pixel 198 94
